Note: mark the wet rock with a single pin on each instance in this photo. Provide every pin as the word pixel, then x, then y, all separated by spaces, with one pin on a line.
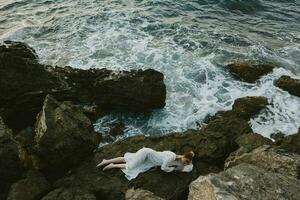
pixel 246 107
pixel 140 194
pixel 63 137
pixel 291 143
pixel 34 186
pixel 212 145
pixel 69 194
pixel 116 128
pixel 10 166
pixel 250 72
pixel 24 84
pixel 271 159
pixel 277 137
pixel 244 181
pixel 289 84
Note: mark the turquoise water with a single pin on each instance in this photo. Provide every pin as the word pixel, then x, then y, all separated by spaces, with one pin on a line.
pixel 189 41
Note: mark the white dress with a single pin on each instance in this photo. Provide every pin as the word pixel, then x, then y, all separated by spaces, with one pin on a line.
pixel 146 158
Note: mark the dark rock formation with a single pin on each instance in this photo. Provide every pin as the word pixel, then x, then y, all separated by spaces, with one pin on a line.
pixel 24 83
pixel 249 72
pixel 69 194
pixel 34 186
pixel 246 107
pixel 289 84
pixel 244 181
pixel 212 144
pixel 10 166
pixel 63 137
pixel 291 143
pixel 116 128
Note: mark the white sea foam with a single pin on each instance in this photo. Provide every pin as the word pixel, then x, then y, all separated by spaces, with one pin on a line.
pixel 190 48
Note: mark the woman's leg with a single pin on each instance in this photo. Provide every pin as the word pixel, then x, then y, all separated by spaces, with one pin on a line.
pixel 111 166
pixel 114 160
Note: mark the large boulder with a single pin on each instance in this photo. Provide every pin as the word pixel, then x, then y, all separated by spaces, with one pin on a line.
pixel 291 143
pixel 32 187
pixel 289 84
pixel 69 194
pixel 244 181
pixel 249 72
pixel 63 137
pixel 24 84
pixel 10 165
pixel 212 145
pixel 246 107
pixel 269 158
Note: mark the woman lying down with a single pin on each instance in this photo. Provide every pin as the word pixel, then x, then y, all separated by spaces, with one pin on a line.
pixel 144 159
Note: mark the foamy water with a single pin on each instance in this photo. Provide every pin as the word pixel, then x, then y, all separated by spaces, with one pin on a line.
pixel 190 42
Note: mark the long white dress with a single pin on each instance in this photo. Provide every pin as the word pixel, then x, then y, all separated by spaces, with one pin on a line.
pixel 146 158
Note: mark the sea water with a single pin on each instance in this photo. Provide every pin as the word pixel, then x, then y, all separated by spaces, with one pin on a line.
pixel 189 41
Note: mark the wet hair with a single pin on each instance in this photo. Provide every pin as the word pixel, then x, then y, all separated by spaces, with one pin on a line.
pixel 189 155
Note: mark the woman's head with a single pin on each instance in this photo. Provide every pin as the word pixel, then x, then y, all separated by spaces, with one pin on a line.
pixel 187 157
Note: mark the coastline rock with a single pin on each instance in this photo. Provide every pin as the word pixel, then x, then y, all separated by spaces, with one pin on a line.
pixel 246 107
pixel 289 84
pixel 140 194
pixel 63 137
pixel 116 128
pixel 291 143
pixel 251 141
pixel 271 159
pixel 69 194
pixel 212 144
pixel 244 181
pixel 249 72
pixel 10 165
pixel 34 186
pixel 24 84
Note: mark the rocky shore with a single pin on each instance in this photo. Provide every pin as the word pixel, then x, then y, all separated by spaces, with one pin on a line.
pixel 49 149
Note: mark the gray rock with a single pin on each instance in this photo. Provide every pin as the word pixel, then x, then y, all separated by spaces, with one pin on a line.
pixel 269 158
pixel 245 182
pixel 140 194
pixel 10 165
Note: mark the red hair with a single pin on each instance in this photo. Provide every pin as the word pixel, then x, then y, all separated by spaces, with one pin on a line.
pixel 189 155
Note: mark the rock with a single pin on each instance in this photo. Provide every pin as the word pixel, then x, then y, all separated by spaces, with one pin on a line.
pixel 69 194
pixel 116 128
pixel 246 107
pixel 289 84
pixel 248 142
pixel 271 159
pixel 63 137
pixel 24 84
pixel 244 181
pixel 250 72
pixel 212 145
pixel 291 143
pixel 34 186
pixel 140 194
pixel 277 137
pixel 10 165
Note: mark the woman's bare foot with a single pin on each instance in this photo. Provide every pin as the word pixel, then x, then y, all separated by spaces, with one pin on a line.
pixel 104 162
pixel 110 166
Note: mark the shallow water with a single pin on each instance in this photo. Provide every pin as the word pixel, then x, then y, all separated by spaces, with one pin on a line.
pixel 189 41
